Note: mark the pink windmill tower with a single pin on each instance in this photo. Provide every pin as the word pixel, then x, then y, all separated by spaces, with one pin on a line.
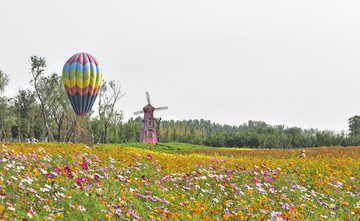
pixel 148 131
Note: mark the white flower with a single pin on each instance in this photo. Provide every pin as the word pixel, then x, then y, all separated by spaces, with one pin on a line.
pixel 44 189
pixel 61 194
pixel 11 208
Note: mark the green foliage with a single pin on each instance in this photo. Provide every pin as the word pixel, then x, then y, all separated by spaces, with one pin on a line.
pixel 4 81
pixel 354 125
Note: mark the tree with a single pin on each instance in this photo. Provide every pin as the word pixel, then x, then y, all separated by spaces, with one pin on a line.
pixel 354 125
pixel 58 100
pixel 109 95
pixel 38 81
pixel 4 81
pixel 24 103
pixel 158 121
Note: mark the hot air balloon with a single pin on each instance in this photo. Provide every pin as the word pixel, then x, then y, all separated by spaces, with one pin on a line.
pixel 82 77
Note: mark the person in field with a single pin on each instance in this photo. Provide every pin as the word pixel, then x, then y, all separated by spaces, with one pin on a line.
pixel 302 154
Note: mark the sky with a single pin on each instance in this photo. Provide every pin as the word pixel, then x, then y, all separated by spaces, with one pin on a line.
pixel 292 63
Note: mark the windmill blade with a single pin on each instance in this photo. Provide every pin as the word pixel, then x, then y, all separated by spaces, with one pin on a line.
pixel 148 98
pixel 161 108
pixel 138 112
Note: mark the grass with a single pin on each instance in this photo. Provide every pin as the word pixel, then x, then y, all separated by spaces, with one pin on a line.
pixel 172 146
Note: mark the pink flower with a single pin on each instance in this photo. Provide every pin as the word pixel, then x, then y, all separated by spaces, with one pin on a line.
pixel 338 191
pixel 358 193
pixel 269 179
pixel 81 208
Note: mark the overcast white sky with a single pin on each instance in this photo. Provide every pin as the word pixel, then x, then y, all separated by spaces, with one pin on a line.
pixel 283 62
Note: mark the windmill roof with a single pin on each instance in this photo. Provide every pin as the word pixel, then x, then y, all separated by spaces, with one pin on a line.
pixel 148 106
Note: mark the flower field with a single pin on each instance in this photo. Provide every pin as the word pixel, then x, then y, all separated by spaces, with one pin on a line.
pixel 50 181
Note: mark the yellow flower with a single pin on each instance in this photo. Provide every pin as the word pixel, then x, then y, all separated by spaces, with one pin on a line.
pixel 2 208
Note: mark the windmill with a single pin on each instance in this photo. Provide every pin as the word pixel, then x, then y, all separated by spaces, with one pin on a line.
pixel 148 131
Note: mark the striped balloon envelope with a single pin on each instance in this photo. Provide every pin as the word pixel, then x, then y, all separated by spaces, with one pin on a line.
pixel 82 77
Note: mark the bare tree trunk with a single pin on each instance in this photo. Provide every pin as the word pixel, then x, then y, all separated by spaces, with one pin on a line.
pixel 105 132
pixel 19 125
pixel 2 131
pixel 32 121
pixel 59 122
pixel 59 132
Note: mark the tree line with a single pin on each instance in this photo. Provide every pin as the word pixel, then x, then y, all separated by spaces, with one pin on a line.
pixel 45 113
pixel 253 134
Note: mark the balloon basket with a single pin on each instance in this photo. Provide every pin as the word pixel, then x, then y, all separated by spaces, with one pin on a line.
pixel 82 131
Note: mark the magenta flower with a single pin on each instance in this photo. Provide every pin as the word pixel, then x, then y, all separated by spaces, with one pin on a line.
pixel 149 156
pixel 84 165
pixel 338 191
pixel 57 169
pixel 50 175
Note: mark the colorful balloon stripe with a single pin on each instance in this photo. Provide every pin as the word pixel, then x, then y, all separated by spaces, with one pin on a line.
pixel 82 91
pixel 82 83
pixel 82 58
pixel 82 68
pixel 82 77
